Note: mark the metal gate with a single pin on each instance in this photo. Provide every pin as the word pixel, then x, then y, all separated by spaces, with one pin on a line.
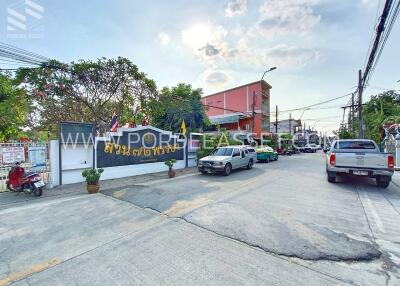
pixel 32 156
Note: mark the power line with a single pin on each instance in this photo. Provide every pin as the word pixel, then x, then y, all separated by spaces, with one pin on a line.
pixel 379 44
pixel 317 104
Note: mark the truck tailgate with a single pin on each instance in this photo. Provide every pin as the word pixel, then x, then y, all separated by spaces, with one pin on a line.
pixel 362 160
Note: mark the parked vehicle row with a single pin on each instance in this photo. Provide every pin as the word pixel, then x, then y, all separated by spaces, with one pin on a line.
pixel 359 157
pixel 310 148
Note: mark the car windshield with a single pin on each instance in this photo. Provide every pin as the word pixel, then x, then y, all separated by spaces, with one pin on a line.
pixel 354 145
pixel 223 152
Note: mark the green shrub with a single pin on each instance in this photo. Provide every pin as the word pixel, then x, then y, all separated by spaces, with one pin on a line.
pixel 170 163
pixel 92 176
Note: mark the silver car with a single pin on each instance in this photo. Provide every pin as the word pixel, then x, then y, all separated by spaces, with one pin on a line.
pixel 225 159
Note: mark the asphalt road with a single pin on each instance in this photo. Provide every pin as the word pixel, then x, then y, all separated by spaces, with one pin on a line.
pixel 280 223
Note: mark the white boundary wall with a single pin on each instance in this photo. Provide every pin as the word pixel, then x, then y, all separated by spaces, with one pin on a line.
pixel 75 160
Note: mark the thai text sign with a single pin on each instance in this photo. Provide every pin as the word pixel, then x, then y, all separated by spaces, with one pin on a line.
pixel 13 154
pixel 138 147
pixel 37 156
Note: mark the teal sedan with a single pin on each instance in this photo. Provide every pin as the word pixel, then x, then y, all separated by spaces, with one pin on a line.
pixel 266 154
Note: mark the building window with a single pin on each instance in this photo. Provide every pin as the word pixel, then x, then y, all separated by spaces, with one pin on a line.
pixel 247 127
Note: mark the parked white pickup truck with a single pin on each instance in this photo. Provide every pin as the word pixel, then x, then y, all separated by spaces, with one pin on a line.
pixel 225 159
pixel 359 157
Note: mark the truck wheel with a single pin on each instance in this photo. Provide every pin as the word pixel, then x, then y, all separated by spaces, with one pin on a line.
pixel 383 182
pixel 250 164
pixel 267 160
pixel 331 177
pixel 227 169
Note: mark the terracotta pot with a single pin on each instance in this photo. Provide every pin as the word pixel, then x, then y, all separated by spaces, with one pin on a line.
pixel 171 173
pixel 92 189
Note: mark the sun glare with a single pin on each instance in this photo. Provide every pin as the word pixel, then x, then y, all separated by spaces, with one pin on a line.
pixel 197 36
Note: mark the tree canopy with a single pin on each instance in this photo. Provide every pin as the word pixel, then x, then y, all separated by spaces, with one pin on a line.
pixel 380 110
pixel 37 99
pixel 14 108
pixel 88 91
pixel 175 104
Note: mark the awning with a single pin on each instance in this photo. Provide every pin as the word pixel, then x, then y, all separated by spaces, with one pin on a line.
pixel 226 118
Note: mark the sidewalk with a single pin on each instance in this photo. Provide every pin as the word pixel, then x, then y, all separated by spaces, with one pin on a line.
pixel 80 188
pixel 10 198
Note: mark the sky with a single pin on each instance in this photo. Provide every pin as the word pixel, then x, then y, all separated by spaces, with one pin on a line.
pixel 318 46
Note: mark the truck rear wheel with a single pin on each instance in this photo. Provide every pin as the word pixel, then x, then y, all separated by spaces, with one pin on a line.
pixel 331 177
pixel 383 181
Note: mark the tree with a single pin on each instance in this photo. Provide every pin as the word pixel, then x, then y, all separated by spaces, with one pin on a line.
pixel 88 91
pixel 345 133
pixel 381 109
pixel 14 107
pixel 175 104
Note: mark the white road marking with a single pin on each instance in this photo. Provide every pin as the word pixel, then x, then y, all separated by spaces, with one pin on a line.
pixel 374 213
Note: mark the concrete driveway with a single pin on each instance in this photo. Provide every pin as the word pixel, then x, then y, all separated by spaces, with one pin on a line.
pixel 281 223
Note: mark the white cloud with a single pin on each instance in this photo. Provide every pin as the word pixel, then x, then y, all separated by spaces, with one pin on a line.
pixel 289 56
pixel 163 38
pixel 206 41
pixel 370 3
pixel 246 54
pixel 235 8
pixel 279 17
pixel 215 78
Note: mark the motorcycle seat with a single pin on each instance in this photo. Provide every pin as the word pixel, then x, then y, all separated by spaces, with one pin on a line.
pixel 27 174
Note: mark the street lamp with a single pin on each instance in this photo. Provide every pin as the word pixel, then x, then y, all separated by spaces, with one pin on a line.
pixel 271 69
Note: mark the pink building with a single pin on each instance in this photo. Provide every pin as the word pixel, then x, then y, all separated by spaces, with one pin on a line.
pixel 233 108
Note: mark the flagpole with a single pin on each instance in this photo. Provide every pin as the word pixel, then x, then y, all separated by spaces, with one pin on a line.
pixel 187 149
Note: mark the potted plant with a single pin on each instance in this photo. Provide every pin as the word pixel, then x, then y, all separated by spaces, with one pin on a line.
pixel 92 177
pixel 170 163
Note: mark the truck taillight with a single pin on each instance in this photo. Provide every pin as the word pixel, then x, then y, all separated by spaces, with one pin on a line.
pixel 391 161
pixel 332 159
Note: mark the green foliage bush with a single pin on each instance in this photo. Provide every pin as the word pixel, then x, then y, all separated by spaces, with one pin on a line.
pixel 212 141
pixel 92 176
pixel 170 163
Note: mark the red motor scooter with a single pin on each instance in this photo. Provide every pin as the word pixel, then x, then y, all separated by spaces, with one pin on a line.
pixel 19 181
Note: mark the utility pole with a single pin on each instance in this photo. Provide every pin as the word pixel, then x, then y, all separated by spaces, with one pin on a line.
pixel 360 106
pixel 352 113
pixel 290 123
pixel 276 119
pixel 254 111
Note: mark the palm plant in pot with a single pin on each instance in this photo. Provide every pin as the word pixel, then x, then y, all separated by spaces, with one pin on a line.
pixel 92 177
pixel 170 163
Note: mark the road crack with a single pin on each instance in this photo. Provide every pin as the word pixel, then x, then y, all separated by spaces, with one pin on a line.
pixel 247 244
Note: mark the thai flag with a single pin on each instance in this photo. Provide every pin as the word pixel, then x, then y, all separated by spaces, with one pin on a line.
pixel 114 123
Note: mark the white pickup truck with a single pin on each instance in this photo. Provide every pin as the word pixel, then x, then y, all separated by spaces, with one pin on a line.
pixel 225 159
pixel 359 157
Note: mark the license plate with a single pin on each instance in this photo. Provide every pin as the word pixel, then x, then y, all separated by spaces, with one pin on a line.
pixel 39 184
pixel 360 173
